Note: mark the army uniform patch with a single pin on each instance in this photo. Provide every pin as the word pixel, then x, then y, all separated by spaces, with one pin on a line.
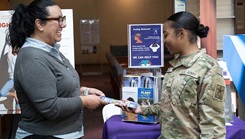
pixel 219 92
pixel 190 73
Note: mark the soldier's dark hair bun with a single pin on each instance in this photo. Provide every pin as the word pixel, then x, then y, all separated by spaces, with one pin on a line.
pixel 202 31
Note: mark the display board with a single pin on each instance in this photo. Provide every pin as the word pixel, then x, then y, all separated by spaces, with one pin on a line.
pixel 67 41
pixel 145 45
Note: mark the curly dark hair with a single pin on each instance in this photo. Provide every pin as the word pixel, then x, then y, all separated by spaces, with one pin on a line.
pixel 22 23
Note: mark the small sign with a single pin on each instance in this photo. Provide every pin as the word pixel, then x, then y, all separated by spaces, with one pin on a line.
pixel 145 45
pixel 179 5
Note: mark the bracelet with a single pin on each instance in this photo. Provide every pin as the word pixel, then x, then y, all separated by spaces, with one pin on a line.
pixel 85 92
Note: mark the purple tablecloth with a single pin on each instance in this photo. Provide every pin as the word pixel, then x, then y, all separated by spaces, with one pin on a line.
pixel 115 128
pixel 237 131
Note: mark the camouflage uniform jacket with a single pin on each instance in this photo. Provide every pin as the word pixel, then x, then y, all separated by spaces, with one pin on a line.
pixel 192 99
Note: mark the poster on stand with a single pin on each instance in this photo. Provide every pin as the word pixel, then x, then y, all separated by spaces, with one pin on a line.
pixel 8 104
pixel 145 45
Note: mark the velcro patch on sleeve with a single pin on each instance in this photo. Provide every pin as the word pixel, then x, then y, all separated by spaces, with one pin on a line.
pixel 219 92
pixel 189 73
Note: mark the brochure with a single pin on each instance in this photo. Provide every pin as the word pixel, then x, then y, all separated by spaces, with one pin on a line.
pixel 144 91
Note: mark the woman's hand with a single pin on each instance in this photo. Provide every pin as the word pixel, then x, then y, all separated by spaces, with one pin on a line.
pixel 91 91
pixel 94 91
pixel 91 101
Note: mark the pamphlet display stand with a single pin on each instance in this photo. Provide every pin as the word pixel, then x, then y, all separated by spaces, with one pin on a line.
pixel 141 82
pixel 141 86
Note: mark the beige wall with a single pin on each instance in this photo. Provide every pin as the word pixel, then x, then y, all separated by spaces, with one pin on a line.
pixel 4 4
pixel 193 6
pixel 114 16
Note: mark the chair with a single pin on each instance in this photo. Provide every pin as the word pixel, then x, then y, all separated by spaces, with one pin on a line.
pixel 110 110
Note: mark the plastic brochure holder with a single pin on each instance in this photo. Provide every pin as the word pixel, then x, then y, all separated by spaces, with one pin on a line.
pixel 141 86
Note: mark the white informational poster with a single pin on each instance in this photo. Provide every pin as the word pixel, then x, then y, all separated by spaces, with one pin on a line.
pixel 67 42
pixel 67 48
pixel 179 5
pixel 7 104
pixel 5 17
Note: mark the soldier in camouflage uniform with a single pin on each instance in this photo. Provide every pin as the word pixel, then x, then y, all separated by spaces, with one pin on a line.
pixel 192 99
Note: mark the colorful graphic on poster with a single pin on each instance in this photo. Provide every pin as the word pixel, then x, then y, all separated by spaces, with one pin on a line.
pixel 145 42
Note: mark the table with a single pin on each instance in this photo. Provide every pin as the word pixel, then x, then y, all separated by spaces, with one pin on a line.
pixel 115 128
pixel 237 131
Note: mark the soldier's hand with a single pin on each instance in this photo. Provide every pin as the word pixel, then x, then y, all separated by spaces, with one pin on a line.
pixel 124 107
